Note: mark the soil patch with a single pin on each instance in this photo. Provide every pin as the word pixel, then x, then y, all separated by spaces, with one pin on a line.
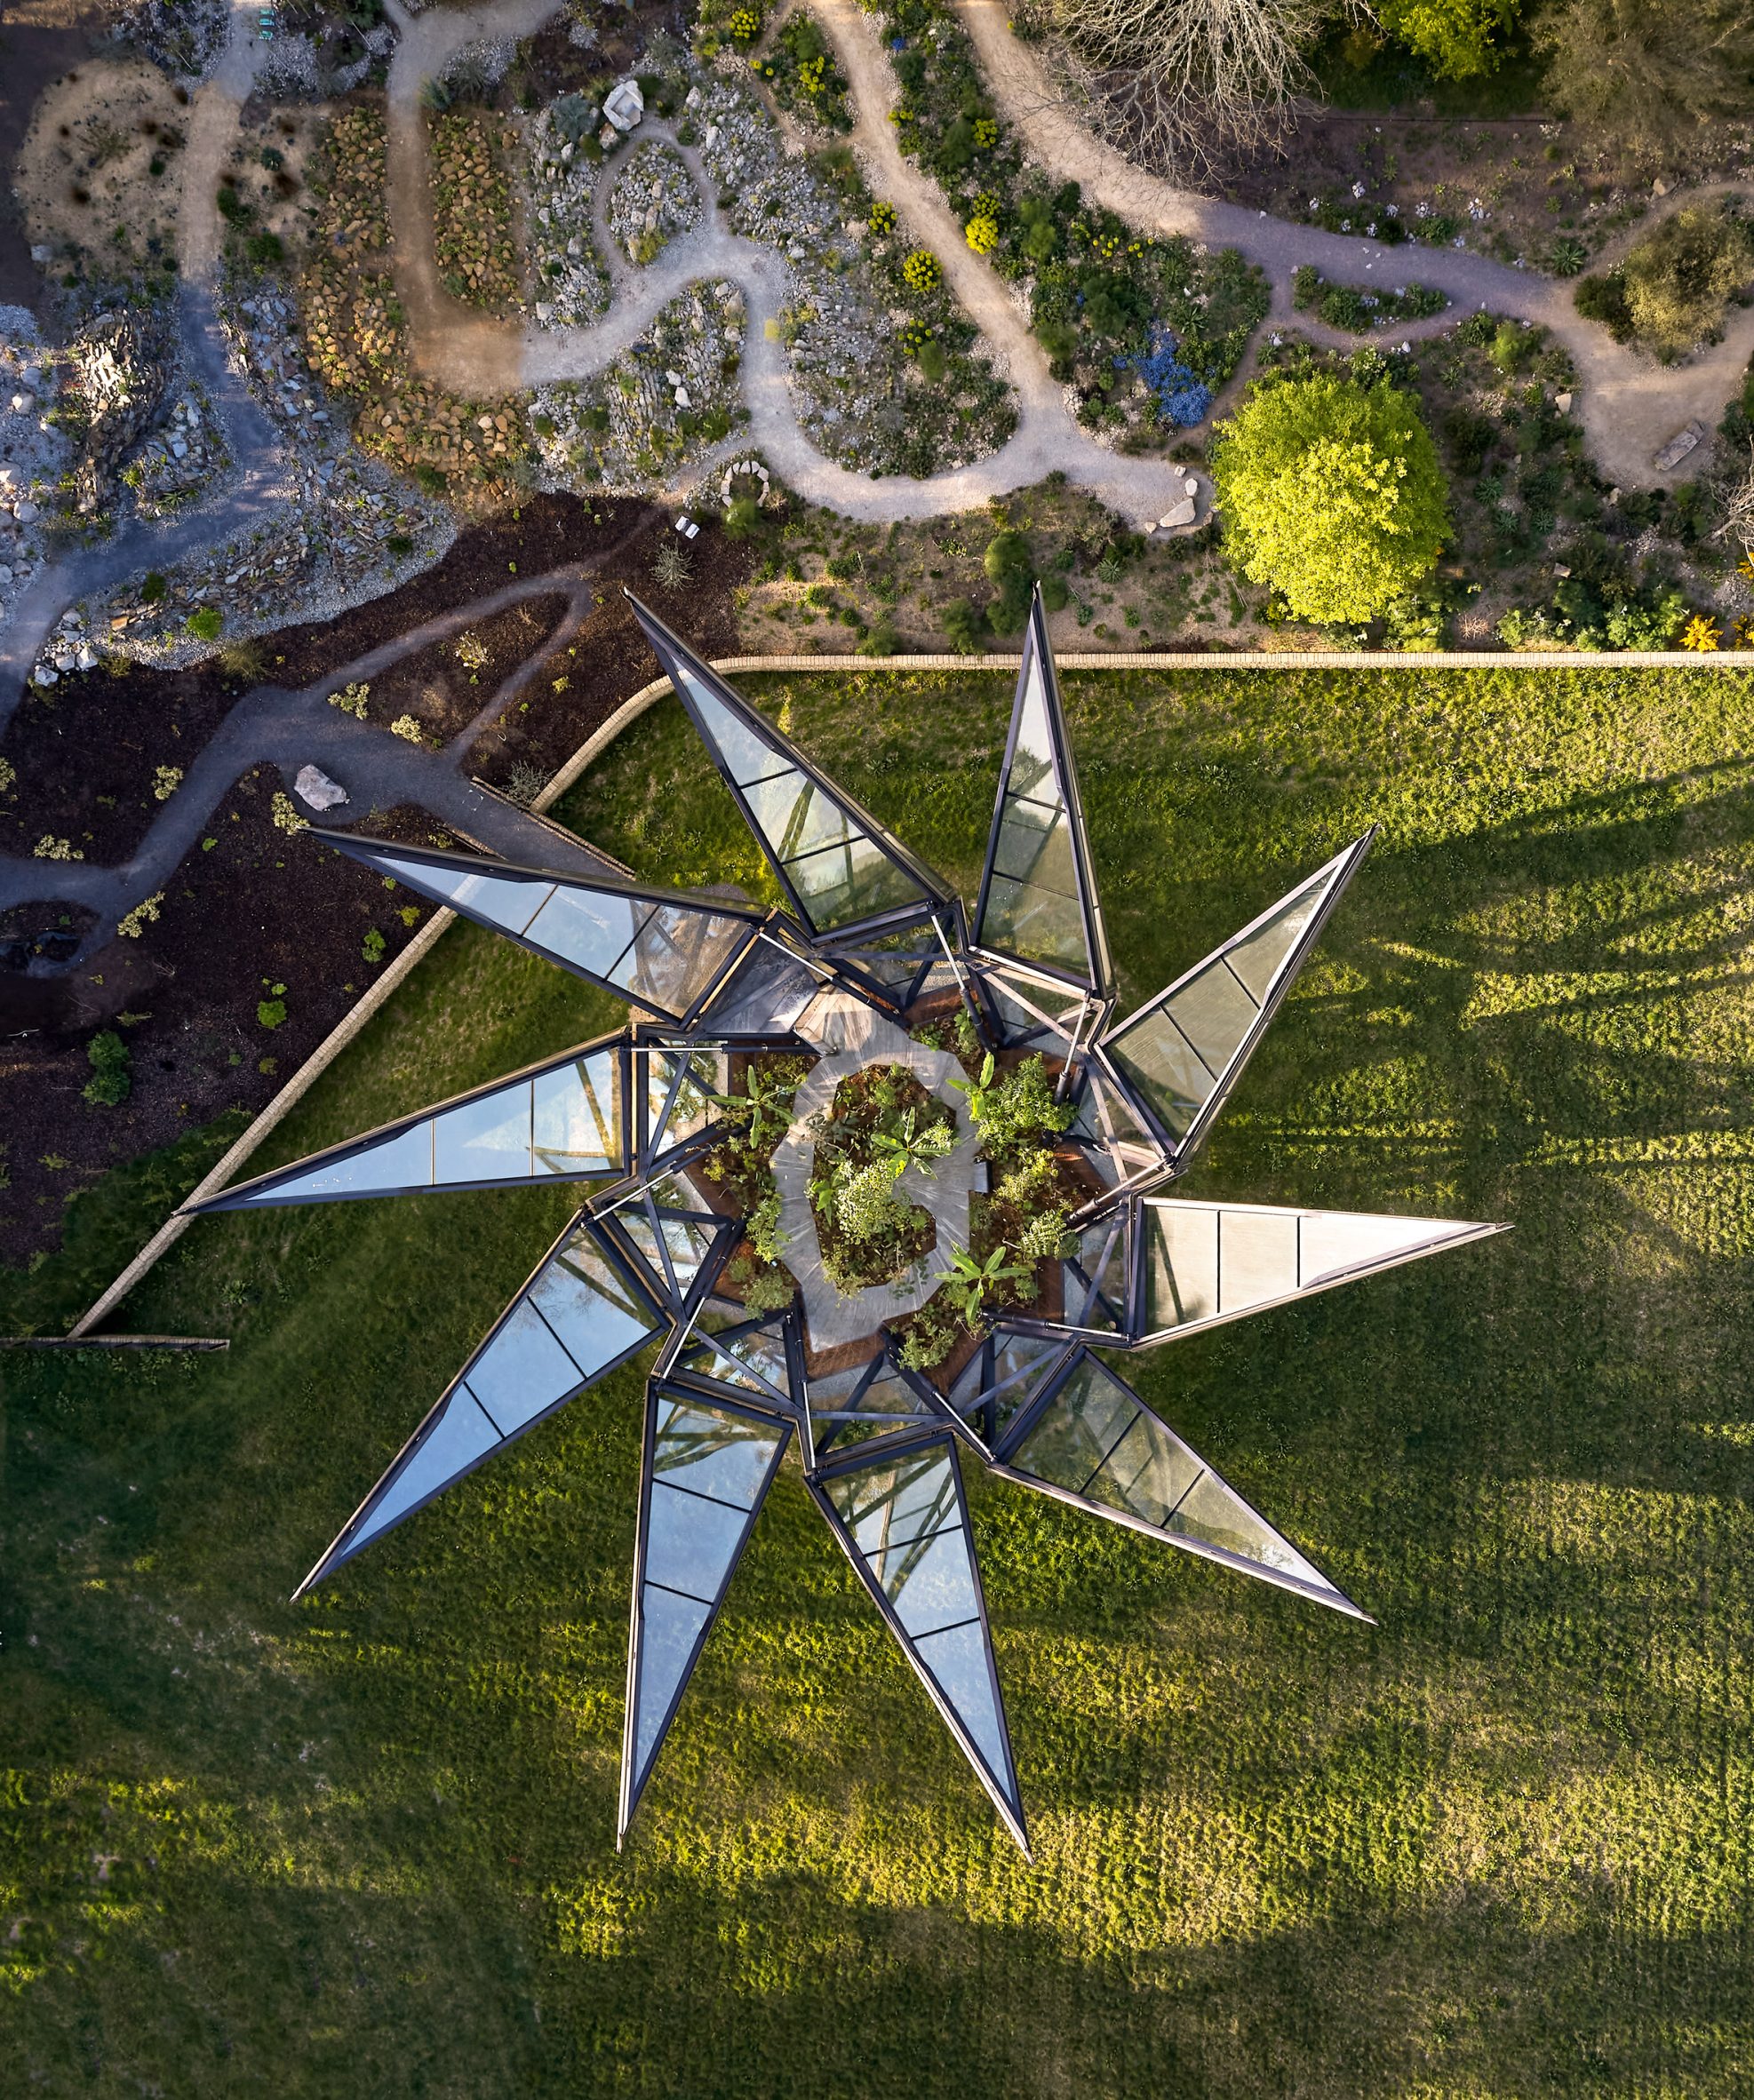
pixel 262 940
pixel 39 40
pixel 449 682
pixel 259 908
pixel 87 753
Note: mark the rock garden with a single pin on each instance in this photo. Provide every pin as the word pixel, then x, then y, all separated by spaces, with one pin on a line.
pixel 653 199
pixel 572 286
pixel 475 229
pixel 674 394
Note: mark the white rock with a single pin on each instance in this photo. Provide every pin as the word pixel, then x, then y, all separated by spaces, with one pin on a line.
pixel 23 403
pixel 44 676
pixel 25 512
pixel 87 658
pixel 544 314
pixel 682 400
pixel 1562 402
pixel 41 253
pixel 315 786
pixel 5 574
pixel 624 105
pixel 1181 513
pixel 1190 487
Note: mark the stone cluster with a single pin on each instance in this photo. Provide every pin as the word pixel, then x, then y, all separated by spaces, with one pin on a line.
pixel 572 285
pixel 185 453
pixel 673 392
pixel 654 197
pixel 33 455
pixel 116 373
pixel 68 648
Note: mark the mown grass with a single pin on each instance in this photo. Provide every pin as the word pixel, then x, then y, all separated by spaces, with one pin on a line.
pixel 1497 1846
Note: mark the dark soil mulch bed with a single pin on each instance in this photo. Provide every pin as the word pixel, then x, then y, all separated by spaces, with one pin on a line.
pixel 440 690
pixel 247 909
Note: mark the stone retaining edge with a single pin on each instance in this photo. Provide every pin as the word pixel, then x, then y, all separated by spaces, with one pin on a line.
pixel 630 709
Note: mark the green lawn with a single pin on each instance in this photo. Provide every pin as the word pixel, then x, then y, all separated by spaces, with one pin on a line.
pixel 1497 1846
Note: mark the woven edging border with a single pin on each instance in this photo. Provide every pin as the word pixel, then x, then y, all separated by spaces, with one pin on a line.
pixel 630 709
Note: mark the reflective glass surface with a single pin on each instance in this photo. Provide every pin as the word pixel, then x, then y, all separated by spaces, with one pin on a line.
pixel 931 1582
pixel 576 1116
pixel 957 1661
pixel 458 1435
pixel 676 956
pixel 521 1370
pixel 712 1453
pixel 484 1140
pixel 1083 1422
pixel 748 756
pixel 589 1306
pixel 669 1627
pixel 591 928
pixel 404 1161
pixel 691 1541
pixel 851 881
pixel 1032 907
pixel 1211 1513
pixel 886 1505
pixel 1259 958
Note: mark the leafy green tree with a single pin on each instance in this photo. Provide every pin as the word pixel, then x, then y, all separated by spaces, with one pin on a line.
pixel 112 1079
pixel 1332 494
pixel 1457 39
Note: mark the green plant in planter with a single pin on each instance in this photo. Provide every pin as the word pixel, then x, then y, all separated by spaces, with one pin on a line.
pixel 912 1143
pixel 969 1284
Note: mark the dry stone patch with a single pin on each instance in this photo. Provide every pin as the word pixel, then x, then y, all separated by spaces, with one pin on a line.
pixel 672 395
pixel 570 284
pixel 653 200
pixel 473 233
pixel 33 454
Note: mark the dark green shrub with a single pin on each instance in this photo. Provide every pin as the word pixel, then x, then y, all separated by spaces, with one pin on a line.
pixel 112 1078
pixel 964 627
pixel 1603 299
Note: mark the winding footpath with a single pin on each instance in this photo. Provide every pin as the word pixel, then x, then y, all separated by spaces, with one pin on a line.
pixel 1628 407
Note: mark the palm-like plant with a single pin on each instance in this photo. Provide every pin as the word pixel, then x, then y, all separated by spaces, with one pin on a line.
pixel 911 1144
pixel 979 1089
pixel 969 1284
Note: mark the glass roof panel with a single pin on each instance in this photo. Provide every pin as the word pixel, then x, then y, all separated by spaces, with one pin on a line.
pixel 676 956
pixel 402 1160
pixel 507 901
pixel 1259 956
pixel 521 1370
pixel 670 1630
pixel 904 1520
pixel 484 1140
pixel 1213 1514
pixel 457 1437
pixel 576 1116
pixel 712 1451
pixel 764 995
pixel 692 1540
pixel 849 882
pixel 748 757
pixel 1159 1060
pixel 591 928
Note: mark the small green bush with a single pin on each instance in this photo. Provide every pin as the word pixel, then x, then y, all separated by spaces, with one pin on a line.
pixel 964 625
pixel 112 1078
pixel 206 622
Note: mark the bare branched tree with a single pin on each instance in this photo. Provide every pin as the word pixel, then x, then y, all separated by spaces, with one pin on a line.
pixel 1187 84
pixel 1737 504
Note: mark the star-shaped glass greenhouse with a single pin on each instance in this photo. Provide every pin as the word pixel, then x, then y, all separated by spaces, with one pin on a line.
pixel 779 1072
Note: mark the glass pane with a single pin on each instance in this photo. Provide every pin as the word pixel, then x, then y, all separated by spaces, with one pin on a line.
pixel 1211 1512
pixel 1181 1263
pixel 1257 1257
pixel 591 928
pixel 675 956
pixel 1155 1054
pixel 692 1542
pixel 459 1435
pixel 1032 768
pixel 1214 1013
pixel 1258 959
pixel 1035 846
pixel 957 1661
pixel 749 757
pixel 1336 1240
pixel 883 1505
pixel 766 994
pixel 521 1370
pixel 484 1140
pixel 502 900
pixel 404 1161
pixel 795 817
pixel 712 1453
pixel 589 1306
pixel 692 1109
pixel 1147 1473
pixel 851 881
pixel 1082 1424
pixel 930 1582
pixel 576 1116
pixel 1036 923
pixel 1020 1353
pixel 669 1627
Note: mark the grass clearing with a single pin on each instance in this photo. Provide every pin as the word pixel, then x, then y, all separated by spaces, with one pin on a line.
pixel 1494 1846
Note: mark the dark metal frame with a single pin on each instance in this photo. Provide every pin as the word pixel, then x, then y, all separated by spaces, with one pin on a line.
pixel 1036 652
pixel 240 1195
pixel 363 849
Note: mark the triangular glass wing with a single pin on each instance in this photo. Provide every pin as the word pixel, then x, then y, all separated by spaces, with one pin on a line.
pixel 562 1120
pixel 836 863
pixel 707 1470
pixel 578 1318
pixel 764 996
pixel 902 1518
pixel 678 1099
pixel 1002 1378
pixel 1038 897
pixel 1208 1262
pixel 1183 1050
pixel 656 949
pixel 1095 1442
pixel 760 1357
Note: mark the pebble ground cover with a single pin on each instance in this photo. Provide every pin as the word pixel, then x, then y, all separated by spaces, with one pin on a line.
pixel 1494 1846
